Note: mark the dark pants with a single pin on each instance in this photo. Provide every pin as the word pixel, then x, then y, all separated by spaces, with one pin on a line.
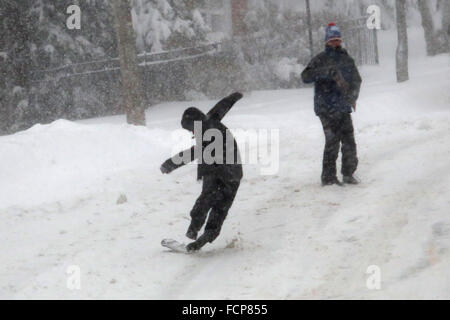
pixel 338 128
pixel 217 195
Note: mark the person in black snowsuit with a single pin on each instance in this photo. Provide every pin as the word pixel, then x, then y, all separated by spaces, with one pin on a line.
pixel 336 88
pixel 221 175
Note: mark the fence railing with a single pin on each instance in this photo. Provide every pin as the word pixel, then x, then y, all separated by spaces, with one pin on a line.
pixel 113 64
pixel 361 42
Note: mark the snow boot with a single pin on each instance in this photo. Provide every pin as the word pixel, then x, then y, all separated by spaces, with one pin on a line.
pixel 331 182
pixel 350 180
pixel 191 233
pixel 198 244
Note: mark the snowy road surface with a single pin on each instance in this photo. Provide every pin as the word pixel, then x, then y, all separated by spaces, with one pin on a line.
pixel 286 237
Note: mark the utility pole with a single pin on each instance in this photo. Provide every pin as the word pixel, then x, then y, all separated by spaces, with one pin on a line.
pixel 132 90
pixel 308 17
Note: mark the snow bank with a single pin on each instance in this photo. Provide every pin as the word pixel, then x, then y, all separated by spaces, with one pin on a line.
pixel 63 159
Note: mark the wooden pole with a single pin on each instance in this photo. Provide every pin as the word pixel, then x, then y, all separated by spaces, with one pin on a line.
pixel 132 90
pixel 308 17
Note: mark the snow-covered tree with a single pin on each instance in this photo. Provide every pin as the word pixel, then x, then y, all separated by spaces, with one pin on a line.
pixel 35 37
pixel 167 24
pixel 271 48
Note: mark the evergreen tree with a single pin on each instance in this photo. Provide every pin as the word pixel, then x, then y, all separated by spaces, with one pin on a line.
pixel 167 24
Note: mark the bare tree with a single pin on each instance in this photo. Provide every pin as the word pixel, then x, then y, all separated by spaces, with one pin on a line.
pixel 446 24
pixel 308 19
pixel 428 27
pixel 402 46
pixel 132 90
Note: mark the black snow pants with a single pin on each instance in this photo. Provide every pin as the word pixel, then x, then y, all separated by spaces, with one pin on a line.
pixel 338 128
pixel 218 196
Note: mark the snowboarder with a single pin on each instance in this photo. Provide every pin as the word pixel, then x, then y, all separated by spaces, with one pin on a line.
pixel 221 177
pixel 336 88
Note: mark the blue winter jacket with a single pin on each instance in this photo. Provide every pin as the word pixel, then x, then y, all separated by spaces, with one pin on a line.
pixel 336 81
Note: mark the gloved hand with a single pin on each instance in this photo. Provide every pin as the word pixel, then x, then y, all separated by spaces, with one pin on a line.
pixel 165 168
pixel 333 73
pixel 236 96
pixel 337 76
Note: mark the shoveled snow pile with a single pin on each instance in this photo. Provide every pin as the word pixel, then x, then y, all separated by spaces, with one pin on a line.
pixel 90 194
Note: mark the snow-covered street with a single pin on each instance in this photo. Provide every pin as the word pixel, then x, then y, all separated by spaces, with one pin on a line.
pixel 286 236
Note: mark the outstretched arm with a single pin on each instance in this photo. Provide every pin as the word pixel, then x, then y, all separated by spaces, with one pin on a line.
pixel 224 105
pixel 178 160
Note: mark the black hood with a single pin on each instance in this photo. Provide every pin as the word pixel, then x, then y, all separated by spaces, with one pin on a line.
pixel 191 115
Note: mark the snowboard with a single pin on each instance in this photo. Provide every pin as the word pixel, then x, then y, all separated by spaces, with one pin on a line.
pixel 174 245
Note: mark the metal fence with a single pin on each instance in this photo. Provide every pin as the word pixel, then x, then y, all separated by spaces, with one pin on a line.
pixel 89 89
pixel 360 41
pixel 113 64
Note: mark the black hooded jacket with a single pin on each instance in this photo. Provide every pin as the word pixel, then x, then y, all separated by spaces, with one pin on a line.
pixel 226 167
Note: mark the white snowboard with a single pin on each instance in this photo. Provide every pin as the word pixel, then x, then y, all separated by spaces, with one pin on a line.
pixel 174 245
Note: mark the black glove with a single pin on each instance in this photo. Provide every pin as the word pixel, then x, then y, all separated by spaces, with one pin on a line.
pixel 166 167
pixel 333 73
pixel 337 76
pixel 236 96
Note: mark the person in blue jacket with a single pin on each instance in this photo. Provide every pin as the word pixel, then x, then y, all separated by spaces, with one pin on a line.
pixel 336 88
